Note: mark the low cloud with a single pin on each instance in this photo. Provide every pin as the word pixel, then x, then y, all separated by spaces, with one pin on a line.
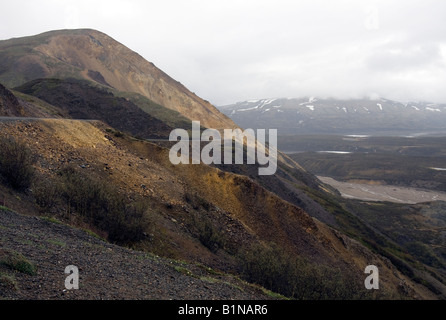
pixel 406 59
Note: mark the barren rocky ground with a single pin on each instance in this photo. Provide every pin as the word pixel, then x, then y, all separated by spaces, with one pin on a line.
pixel 106 271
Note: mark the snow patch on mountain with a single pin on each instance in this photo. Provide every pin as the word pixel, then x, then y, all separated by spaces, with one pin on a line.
pixel 433 109
pixel 332 115
pixel 247 109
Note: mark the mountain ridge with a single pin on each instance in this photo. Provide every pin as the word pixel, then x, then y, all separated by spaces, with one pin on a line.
pixel 239 207
pixel 243 210
pixel 311 115
pixel 92 55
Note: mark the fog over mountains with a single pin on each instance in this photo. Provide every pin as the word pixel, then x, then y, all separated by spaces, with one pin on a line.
pixel 311 115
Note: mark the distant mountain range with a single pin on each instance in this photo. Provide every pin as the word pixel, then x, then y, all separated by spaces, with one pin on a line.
pixel 331 116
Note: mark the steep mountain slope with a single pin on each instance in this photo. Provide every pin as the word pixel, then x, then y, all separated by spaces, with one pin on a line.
pixel 17 104
pixel 331 116
pixel 9 105
pixel 180 200
pixel 77 99
pixel 244 212
pixel 126 189
pixel 92 55
pixel 80 100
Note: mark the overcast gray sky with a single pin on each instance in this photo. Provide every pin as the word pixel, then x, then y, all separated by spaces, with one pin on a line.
pixel 234 50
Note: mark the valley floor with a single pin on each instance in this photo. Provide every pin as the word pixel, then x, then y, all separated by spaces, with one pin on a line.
pixel 379 192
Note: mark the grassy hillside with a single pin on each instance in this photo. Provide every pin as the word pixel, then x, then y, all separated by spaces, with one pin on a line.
pixel 411 236
pixel 126 191
pixel 170 117
pixel 81 100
